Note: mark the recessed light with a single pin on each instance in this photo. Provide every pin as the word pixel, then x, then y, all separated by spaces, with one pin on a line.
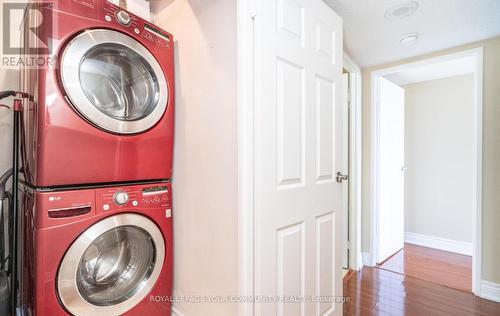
pixel 409 40
pixel 401 10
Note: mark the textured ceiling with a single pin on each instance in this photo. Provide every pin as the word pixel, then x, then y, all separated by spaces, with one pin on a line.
pixel 371 40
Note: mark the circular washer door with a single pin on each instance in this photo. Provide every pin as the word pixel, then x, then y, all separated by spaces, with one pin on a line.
pixel 111 266
pixel 113 81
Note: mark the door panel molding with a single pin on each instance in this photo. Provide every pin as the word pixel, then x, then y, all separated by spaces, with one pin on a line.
pixel 325 131
pixel 291 124
pixel 324 272
pixel 296 233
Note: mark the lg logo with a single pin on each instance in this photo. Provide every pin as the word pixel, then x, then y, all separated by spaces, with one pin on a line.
pixel 31 18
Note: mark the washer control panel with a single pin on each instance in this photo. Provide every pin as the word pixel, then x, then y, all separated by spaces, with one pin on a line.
pixel 133 197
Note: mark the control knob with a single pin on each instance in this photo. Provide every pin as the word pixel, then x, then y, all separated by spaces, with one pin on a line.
pixel 123 17
pixel 120 198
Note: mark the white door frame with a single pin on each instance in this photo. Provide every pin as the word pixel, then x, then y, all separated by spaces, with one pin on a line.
pixel 246 151
pixel 355 132
pixel 477 54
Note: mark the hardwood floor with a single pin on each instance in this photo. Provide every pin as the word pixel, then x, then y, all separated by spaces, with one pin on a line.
pixel 347 275
pixel 374 291
pixel 437 266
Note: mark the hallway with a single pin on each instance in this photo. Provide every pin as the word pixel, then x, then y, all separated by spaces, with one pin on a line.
pixel 437 266
pixel 374 291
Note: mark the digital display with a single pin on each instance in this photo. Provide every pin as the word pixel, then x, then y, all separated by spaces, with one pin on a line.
pixel 153 190
pixel 156 32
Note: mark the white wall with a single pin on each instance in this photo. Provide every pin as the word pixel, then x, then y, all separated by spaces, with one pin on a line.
pixel 439 153
pixel 8 81
pixel 205 159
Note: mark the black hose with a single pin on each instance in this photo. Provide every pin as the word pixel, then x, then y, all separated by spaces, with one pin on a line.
pixel 2 234
pixel 6 94
pixel 15 184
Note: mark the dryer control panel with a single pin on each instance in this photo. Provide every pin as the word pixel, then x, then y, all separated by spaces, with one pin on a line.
pixel 131 23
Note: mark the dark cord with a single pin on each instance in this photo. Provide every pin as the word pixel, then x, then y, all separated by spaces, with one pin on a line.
pixel 6 94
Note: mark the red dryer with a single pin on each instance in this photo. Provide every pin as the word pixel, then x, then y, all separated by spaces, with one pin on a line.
pixel 101 105
pixel 105 251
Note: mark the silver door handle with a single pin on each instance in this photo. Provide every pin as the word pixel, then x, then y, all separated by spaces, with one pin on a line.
pixel 341 177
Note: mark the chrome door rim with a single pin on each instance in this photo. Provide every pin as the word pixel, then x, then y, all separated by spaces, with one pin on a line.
pixel 66 279
pixel 70 75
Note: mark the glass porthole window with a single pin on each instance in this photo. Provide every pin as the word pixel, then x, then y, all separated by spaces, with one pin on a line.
pixel 115 266
pixel 112 266
pixel 119 82
pixel 113 81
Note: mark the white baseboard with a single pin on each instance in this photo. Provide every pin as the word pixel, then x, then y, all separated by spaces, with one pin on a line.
pixel 367 259
pixel 439 243
pixel 176 312
pixel 490 291
pixel 359 264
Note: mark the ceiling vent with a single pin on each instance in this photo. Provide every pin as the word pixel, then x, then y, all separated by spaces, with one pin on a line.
pixel 401 10
pixel 409 40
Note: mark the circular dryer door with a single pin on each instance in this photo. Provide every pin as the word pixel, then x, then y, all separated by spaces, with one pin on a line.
pixel 112 266
pixel 113 81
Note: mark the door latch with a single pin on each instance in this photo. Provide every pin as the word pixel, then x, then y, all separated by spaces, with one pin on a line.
pixel 341 177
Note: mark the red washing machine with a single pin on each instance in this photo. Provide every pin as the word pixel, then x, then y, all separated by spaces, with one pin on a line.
pixel 105 251
pixel 102 102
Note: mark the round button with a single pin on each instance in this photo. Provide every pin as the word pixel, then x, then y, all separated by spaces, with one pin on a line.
pixel 108 18
pixel 123 17
pixel 105 207
pixel 135 203
pixel 120 198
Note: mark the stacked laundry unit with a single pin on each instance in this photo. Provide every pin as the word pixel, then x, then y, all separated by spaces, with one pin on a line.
pixel 97 140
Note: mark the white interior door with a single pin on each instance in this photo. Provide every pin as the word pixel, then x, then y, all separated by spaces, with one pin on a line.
pixel 391 169
pixel 298 127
